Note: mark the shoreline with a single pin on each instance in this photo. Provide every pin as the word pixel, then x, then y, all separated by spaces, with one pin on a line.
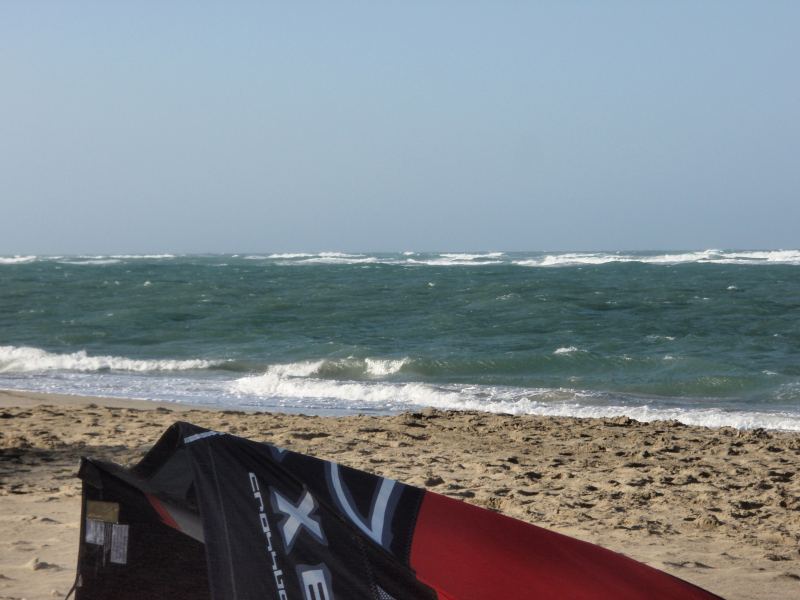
pixel 744 421
pixel 717 507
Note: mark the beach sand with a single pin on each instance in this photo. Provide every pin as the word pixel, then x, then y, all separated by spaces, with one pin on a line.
pixel 717 507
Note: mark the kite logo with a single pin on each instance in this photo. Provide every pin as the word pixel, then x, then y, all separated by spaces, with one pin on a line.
pixel 315 581
pixel 277 573
pixel 377 525
pixel 298 517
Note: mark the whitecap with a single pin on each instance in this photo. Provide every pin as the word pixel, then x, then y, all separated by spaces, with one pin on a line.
pixel 22 359
pixel 16 260
pixel 459 256
pixel 338 255
pixel 712 256
pixel 566 350
pixel 142 256
pixel 452 262
pixel 338 260
pixel 91 261
pixel 383 367
pixel 287 255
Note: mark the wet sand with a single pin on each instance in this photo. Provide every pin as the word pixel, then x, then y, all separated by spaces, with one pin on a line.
pixel 717 507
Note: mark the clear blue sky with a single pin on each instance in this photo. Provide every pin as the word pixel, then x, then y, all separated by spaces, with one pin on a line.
pixel 225 127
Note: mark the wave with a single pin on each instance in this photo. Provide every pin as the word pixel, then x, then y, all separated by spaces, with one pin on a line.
pixel 338 255
pixel 452 262
pixel 329 258
pixel 444 259
pixel 791 257
pixel 297 384
pixel 16 260
pixel 286 255
pixel 142 256
pixel 560 259
pixel 467 256
pixel 26 359
pixel 566 350
pixel 331 369
pixel 84 259
pixel 332 259
pixel 92 261
pixel 358 384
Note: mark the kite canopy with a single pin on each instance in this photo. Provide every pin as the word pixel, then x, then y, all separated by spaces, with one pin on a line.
pixel 206 515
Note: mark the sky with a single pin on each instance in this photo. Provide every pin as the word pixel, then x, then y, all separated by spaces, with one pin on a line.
pixel 386 126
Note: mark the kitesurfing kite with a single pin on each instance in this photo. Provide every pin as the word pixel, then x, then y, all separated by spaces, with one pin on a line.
pixel 206 515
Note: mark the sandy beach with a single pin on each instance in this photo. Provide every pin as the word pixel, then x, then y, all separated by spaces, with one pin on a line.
pixel 717 507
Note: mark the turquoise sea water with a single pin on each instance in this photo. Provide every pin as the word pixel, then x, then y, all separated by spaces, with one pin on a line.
pixel 708 337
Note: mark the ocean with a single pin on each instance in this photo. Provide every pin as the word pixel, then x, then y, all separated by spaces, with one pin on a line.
pixel 709 338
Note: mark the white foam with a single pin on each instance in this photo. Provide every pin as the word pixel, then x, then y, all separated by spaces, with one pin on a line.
pixel 287 255
pixel 338 260
pixel 338 255
pixel 367 367
pixel 702 417
pixel 142 256
pixel 567 259
pixel 381 368
pixel 556 259
pixel 275 387
pixel 773 256
pixel 467 256
pixel 713 256
pixel 381 396
pixel 91 261
pixel 23 359
pixel 566 350
pixel 16 260
pixel 452 262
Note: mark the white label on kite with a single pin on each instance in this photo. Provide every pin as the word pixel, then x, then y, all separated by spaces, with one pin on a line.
pixel 119 544
pixel 95 532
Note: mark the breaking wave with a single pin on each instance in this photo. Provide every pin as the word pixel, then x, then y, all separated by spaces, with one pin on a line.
pixel 285 255
pixel 92 261
pixel 143 256
pixel 791 257
pixel 301 384
pixel 16 260
pixel 464 259
pixel 25 359
pixel 566 350
pixel 339 260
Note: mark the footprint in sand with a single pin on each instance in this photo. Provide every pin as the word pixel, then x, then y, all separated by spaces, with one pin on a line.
pixel 37 565
pixel 690 564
